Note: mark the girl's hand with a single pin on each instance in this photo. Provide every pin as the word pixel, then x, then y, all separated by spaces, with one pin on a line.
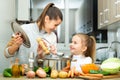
pixel 53 49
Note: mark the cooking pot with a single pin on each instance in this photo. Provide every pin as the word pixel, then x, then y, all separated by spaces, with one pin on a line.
pixel 55 61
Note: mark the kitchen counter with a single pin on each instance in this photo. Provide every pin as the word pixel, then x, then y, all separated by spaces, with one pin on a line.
pixel 36 78
pixel 25 78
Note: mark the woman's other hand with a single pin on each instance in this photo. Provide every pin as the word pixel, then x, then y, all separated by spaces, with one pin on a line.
pixel 53 49
pixel 40 51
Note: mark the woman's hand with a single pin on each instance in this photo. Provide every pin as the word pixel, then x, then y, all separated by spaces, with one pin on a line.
pixel 14 43
pixel 39 50
pixel 53 49
pixel 17 40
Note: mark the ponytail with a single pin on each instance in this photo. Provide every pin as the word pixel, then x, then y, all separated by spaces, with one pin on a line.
pixel 93 48
pixel 50 10
pixel 41 19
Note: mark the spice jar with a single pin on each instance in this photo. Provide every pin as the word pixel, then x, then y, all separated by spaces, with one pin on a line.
pixel 31 60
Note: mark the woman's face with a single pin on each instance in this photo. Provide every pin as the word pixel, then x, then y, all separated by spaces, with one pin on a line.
pixel 51 25
pixel 76 47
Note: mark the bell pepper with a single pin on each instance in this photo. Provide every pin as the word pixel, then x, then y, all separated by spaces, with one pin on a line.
pixel 7 72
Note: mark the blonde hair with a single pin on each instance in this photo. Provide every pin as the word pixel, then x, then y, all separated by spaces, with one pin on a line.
pixel 90 43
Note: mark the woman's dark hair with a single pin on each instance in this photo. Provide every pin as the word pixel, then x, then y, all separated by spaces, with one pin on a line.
pixel 50 10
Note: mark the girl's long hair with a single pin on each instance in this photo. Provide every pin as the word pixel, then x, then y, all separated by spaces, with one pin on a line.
pixel 90 43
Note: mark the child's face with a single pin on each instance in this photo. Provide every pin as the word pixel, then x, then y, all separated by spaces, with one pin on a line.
pixel 76 47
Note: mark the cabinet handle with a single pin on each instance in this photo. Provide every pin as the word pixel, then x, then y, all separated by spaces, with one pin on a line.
pixel 117 4
pixel 101 18
pixel 106 15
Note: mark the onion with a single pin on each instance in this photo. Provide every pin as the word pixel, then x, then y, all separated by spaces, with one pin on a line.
pixel 30 74
pixel 41 73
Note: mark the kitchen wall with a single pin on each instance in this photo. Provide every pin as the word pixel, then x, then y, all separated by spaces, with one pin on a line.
pixel 7 14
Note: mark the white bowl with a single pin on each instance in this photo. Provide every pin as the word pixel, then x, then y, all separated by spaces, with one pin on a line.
pixel 60 54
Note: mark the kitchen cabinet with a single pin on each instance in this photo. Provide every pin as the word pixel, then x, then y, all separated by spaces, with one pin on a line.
pixel 23 10
pixel 108 14
pixel 115 8
pixel 104 18
pixel 100 13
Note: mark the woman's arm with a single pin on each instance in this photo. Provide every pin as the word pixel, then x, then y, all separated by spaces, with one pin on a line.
pixel 13 45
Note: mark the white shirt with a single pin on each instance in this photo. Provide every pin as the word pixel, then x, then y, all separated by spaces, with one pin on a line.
pixel 79 60
pixel 33 33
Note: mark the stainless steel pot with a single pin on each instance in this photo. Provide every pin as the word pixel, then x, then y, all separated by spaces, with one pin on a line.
pixel 56 62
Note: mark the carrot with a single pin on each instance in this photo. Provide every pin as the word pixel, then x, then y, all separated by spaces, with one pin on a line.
pixel 72 73
pixel 67 68
pixel 76 73
pixel 68 63
pixel 69 73
pixel 81 73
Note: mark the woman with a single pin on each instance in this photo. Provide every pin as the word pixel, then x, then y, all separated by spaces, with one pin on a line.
pixel 48 21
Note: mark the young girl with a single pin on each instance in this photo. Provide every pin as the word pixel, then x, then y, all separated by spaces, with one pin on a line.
pixel 83 50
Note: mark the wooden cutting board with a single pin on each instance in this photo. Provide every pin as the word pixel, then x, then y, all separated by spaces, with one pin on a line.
pixel 112 76
pixel 90 78
pixel 104 77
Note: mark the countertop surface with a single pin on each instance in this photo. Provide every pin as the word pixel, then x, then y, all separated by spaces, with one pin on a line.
pixel 25 78
pixel 36 78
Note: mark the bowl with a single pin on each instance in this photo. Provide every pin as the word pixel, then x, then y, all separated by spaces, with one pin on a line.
pixel 60 54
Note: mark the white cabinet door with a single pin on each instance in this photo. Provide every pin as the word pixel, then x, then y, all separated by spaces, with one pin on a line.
pixel 100 14
pixel 23 10
pixel 115 8
pixel 104 13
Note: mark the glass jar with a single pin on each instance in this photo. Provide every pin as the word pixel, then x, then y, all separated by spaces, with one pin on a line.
pixel 16 69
